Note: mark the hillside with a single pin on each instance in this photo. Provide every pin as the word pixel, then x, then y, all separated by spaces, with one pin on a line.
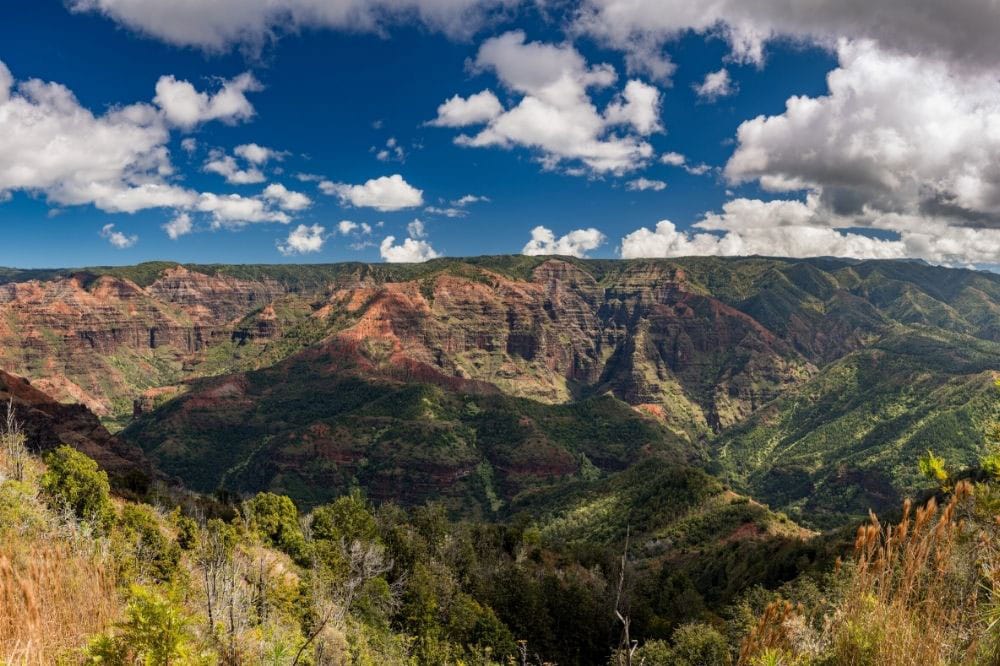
pixel 350 375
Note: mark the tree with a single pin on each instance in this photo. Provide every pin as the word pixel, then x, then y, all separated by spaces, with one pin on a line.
pixel 74 480
pixel 155 556
pixel 276 521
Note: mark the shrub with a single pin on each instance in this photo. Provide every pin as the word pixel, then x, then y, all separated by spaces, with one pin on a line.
pixel 345 519
pixel 153 555
pixel 698 644
pixel 75 480
pixel 276 521
pixel 155 631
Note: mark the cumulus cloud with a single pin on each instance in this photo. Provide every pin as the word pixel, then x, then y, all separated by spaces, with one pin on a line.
pixel 900 143
pixel 463 111
pixel 117 239
pixel 286 199
pixel 50 144
pixel 643 184
pixel 220 24
pixel 234 210
pixel 638 106
pixel 303 239
pixel 574 244
pixel 347 227
pixel 792 228
pixel 226 166
pixel 256 154
pixel 185 107
pixel 555 116
pixel 392 152
pixel 410 251
pixel 388 193
pixel 117 161
pixel 180 225
pixel 673 159
pixel 716 84
pixel 959 31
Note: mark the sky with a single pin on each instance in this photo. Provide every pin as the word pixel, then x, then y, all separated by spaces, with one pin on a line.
pixel 268 131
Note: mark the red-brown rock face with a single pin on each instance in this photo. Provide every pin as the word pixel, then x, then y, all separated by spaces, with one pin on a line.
pixel 48 424
pixel 646 334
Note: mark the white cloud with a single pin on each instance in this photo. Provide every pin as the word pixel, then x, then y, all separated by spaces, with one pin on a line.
pixel 901 143
pixel 285 198
pixel 469 199
pixel 219 24
pixel 409 251
pixel 225 166
pixel 805 229
pixel 303 239
pixel 179 226
pixel 186 107
pixel 959 31
pixel 189 144
pixel 256 154
pixel 716 84
pixel 643 184
pixel 574 244
pixel 639 107
pixel 234 210
pixel 447 211
pixel 473 110
pixel 50 144
pixel 347 227
pixel 118 161
pixel 392 152
pixel 388 193
pixel 673 159
pixel 555 116
pixel 416 229
pixel 117 239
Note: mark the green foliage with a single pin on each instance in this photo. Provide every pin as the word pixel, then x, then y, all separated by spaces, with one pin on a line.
pixel 187 529
pixel 346 519
pixel 147 552
pixel 933 467
pixel 276 521
pixel 74 480
pixel 698 645
pixel 156 631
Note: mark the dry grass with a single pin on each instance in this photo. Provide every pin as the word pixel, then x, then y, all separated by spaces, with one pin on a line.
pixel 922 592
pixel 51 600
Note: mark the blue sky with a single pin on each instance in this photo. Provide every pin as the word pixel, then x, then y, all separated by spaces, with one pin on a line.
pixel 331 94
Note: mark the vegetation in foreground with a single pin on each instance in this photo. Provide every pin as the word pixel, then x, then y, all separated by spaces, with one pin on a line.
pixel 706 577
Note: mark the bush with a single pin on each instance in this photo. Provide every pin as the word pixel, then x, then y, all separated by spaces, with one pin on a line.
pixel 276 521
pixel 346 518
pixel 153 555
pixel 75 480
pixel 155 631
pixel 699 644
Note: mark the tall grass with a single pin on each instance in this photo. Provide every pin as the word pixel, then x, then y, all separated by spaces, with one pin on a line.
pixel 921 592
pixel 52 598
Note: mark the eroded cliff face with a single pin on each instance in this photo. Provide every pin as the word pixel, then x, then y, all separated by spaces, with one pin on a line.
pixel 650 338
pixel 648 335
pixel 102 340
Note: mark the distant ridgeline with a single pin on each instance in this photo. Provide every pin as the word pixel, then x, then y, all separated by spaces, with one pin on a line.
pixel 496 383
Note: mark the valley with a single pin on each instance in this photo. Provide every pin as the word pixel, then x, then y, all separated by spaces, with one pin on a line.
pixel 811 385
